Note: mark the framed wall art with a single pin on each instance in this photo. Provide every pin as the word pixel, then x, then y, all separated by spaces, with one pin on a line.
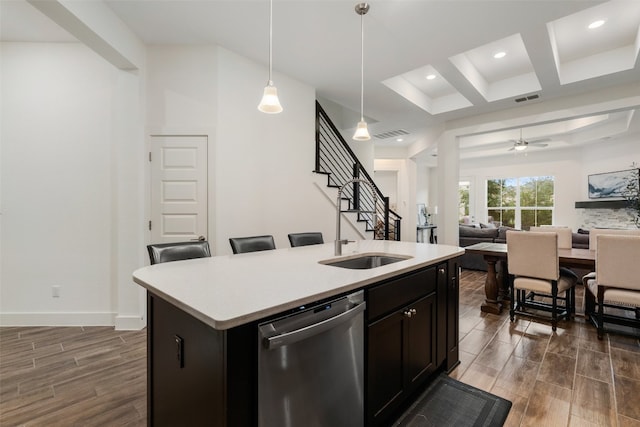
pixel 610 184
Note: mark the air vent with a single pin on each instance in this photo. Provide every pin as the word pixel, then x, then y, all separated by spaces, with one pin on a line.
pixel 391 134
pixel 527 98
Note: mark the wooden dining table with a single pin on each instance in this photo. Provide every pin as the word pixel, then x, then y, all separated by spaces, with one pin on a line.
pixel 496 286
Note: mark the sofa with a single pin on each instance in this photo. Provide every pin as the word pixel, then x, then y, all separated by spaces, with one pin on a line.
pixel 472 234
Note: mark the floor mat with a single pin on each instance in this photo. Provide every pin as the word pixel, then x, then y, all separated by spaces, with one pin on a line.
pixel 448 402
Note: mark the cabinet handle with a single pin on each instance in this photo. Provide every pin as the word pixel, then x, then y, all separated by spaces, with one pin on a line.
pixel 441 271
pixel 179 350
pixel 410 312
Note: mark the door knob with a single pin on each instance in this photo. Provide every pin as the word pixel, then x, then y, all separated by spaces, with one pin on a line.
pixel 200 239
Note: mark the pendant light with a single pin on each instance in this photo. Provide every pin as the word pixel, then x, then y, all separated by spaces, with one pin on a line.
pixel 362 133
pixel 270 103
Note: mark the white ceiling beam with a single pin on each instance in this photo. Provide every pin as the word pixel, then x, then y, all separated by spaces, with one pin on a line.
pixel 96 26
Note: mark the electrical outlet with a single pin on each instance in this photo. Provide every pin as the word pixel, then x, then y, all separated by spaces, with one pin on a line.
pixel 55 291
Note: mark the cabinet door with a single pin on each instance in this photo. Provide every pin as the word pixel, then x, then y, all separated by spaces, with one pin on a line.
pixel 385 365
pixel 420 340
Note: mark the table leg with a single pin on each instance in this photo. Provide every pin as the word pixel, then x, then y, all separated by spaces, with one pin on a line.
pixel 492 304
pixel 502 276
pixel 431 240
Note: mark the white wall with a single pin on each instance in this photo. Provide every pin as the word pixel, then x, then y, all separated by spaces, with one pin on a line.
pixel 264 161
pixel 387 182
pixel 75 177
pixel 64 165
pixel 405 170
pixel 260 165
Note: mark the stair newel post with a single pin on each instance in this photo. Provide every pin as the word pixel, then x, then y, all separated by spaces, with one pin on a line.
pixel 397 229
pixel 356 187
pixel 318 142
pixel 386 218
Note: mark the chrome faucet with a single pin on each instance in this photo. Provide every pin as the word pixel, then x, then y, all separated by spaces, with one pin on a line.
pixel 339 242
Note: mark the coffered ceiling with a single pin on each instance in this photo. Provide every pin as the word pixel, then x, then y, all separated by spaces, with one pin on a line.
pixel 427 62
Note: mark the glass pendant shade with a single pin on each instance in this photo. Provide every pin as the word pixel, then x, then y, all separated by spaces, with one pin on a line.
pixel 270 103
pixel 362 132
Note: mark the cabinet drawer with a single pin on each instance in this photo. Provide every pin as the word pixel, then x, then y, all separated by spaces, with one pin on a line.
pixel 391 295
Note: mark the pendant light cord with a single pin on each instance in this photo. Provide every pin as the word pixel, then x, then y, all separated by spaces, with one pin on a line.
pixel 270 39
pixel 361 67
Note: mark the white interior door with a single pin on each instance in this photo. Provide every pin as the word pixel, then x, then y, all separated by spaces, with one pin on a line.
pixel 178 188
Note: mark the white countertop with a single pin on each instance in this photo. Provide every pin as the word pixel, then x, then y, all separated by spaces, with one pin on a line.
pixel 231 290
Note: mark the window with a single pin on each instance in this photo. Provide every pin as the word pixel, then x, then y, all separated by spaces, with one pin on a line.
pixel 464 188
pixel 521 202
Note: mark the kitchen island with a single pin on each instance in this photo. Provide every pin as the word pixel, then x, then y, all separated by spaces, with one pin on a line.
pixel 203 316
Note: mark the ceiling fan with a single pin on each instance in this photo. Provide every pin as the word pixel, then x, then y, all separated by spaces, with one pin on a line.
pixel 522 144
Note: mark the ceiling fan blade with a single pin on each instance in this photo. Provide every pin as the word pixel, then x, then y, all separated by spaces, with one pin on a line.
pixel 535 141
pixel 538 144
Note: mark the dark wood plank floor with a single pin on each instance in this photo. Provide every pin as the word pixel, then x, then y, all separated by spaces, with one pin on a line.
pixel 566 378
pixel 92 376
pixel 95 376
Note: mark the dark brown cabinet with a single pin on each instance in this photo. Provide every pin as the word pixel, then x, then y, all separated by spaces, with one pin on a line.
pixel 412 332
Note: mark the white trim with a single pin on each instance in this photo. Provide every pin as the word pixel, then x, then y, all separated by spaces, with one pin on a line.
pixel 58 319
pixel 129 323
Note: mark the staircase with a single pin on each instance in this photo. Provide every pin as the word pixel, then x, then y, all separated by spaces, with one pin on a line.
pixel 337 161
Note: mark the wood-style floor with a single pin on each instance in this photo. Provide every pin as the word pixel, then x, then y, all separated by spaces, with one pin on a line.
pixel 566 378
pixel 72 377
pixel 96 376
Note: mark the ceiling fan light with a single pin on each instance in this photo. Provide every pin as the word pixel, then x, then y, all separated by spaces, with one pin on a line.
pixel 270 103
pixel 596 24
pixel 520 147
pixel 362 132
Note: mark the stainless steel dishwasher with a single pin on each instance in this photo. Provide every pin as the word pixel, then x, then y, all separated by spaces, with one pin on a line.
pixel 311 366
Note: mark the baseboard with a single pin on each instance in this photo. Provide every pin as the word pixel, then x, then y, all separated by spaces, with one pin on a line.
pixel 129 323
pixel 58 319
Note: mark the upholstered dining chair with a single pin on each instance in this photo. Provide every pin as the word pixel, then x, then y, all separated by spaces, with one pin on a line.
pixel 565 234
pixel 166 252
pixel 615 286
pixel 241 245
pixel 595 232
pixel 533 265
pixel 305 239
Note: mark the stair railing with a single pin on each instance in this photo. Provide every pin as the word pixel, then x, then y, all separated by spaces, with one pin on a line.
pixel 335 159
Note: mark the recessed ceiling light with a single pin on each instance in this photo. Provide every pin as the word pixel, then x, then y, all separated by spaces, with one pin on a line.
pixel 430 77
pixel 399 140
pixel 499 55
pixel 596 24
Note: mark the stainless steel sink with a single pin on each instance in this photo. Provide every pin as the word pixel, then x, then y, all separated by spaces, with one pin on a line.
pixel 365 261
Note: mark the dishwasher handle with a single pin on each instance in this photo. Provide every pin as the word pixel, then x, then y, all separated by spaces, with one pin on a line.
pixel 314 329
